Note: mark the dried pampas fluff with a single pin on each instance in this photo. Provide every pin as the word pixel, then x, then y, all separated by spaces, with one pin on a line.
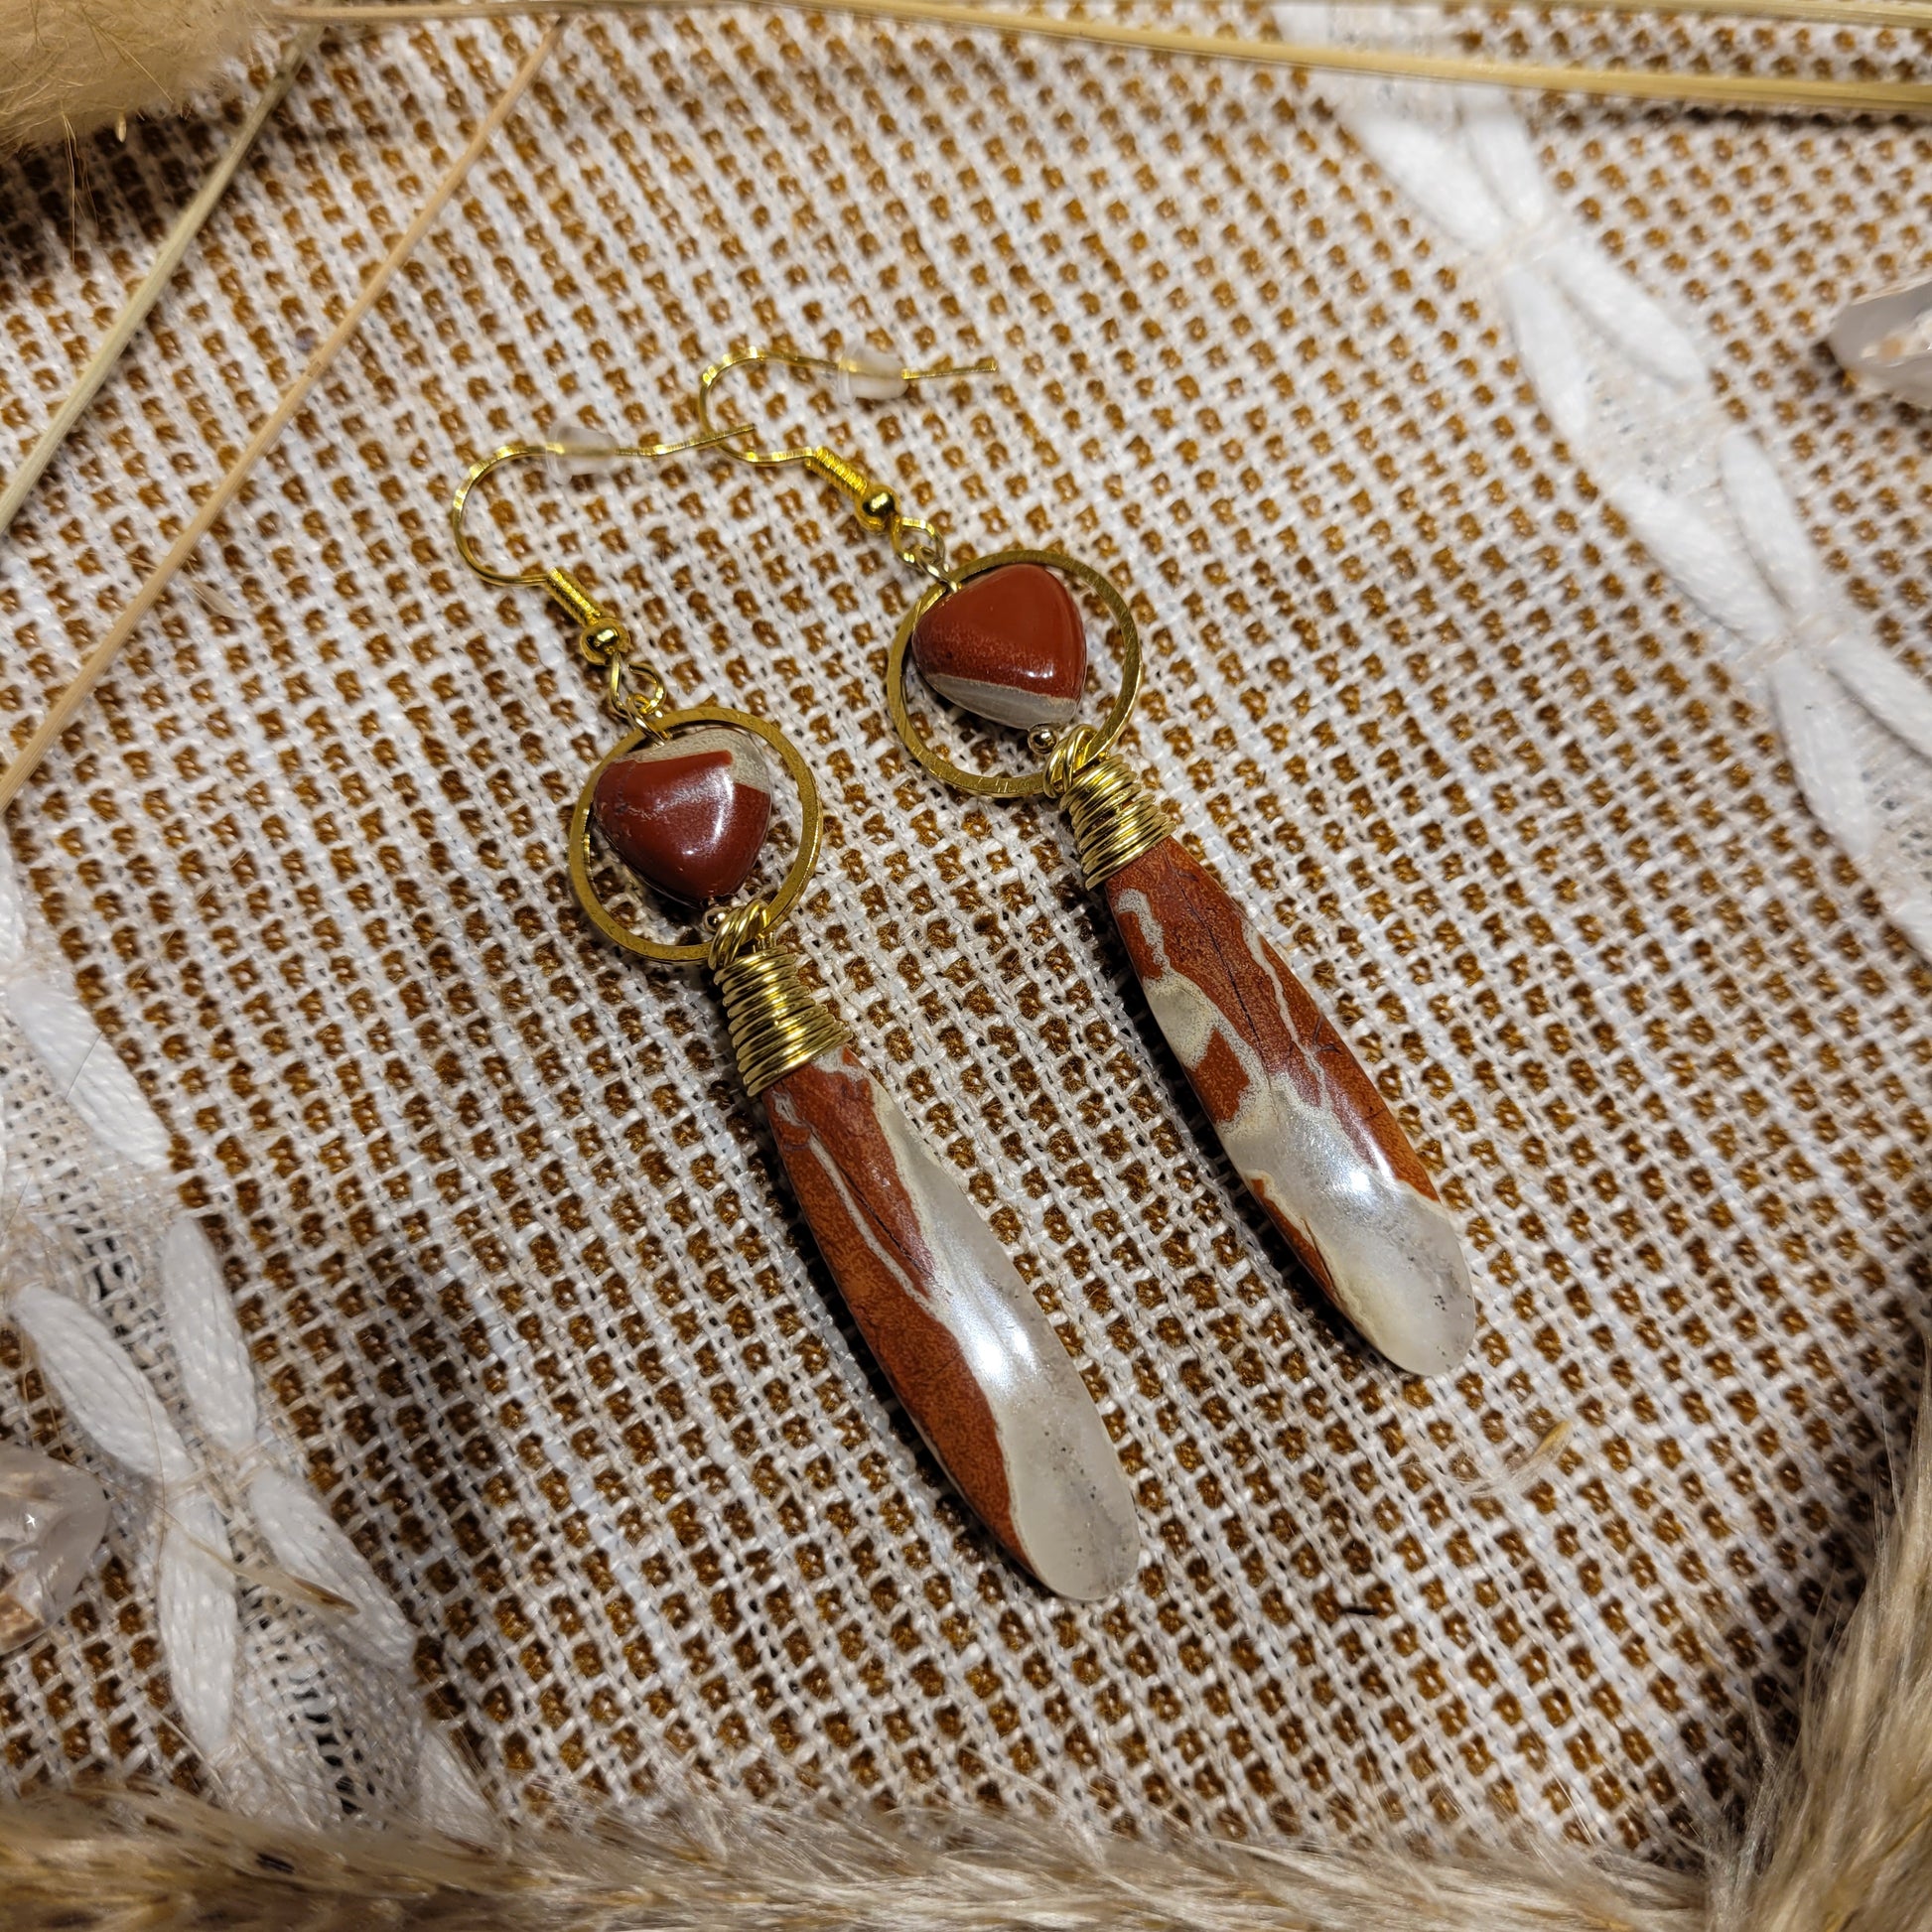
pixel 1840 1840
pixel 70 67
pixel 711 1869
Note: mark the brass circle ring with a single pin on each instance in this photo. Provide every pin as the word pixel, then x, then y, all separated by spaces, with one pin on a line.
pixel 668 724
pixel 1000 784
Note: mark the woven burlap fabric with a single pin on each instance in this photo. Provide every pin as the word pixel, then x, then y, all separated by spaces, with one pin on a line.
pixel 517 1273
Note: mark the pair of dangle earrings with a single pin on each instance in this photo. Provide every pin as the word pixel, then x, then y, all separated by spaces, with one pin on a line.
pixel 683 804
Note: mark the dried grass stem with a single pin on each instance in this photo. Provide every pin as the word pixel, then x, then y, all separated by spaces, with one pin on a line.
pixel 1765 91
pixel 209 513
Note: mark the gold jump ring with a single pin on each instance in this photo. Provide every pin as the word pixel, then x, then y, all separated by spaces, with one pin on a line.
pixel 1000 784
pixel 665 724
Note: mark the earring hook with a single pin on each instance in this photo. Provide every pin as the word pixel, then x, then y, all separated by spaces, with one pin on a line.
pixel 485 467
pixel 792 358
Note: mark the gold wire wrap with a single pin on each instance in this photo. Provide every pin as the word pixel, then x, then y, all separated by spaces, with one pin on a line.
pixel 737 930
pixel 1114 817
pixel 776 1024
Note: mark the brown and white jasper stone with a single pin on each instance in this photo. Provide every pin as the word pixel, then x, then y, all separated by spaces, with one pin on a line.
pixel 688 814
pixel 961 1339
pixel 1008 646
pixel 1296 1112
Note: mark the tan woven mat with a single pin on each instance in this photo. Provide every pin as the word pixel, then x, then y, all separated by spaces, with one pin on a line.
pixel 525 1301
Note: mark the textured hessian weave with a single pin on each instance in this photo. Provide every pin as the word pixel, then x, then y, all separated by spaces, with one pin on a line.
pixel 519 1279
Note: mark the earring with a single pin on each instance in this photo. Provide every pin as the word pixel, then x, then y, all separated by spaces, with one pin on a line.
pixel 1004 638
pixel 682 803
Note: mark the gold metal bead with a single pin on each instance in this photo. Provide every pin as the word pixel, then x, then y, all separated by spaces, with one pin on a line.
pixel 605 643
pixel 878 509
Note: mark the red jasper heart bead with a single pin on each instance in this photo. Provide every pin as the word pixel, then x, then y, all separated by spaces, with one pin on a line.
pixel 688 815
pixel 1008 646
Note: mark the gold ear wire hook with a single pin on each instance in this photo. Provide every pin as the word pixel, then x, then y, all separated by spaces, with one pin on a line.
pixel 520 452
pixel 792 358
pixel 633 692
pixel 914 541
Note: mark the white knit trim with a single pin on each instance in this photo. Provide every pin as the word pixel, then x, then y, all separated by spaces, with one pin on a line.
pixel 314 1616
pixel 1627 386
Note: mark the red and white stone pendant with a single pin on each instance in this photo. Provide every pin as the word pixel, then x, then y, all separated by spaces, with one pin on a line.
pixel 964 1344
pixel 688 814
pixel 1008 646
pixel 1298 1114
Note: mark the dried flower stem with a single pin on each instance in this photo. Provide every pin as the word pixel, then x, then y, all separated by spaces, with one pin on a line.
pixel 209 513
pixel 1911 15
pixel 134 311
pixel 1623 83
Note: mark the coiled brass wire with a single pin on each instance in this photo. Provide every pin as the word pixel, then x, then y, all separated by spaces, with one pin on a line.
pixel 1114 817
pixel 776 1024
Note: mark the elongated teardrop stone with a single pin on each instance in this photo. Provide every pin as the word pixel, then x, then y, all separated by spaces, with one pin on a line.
pixel 960 1337
pixel 1296 1112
